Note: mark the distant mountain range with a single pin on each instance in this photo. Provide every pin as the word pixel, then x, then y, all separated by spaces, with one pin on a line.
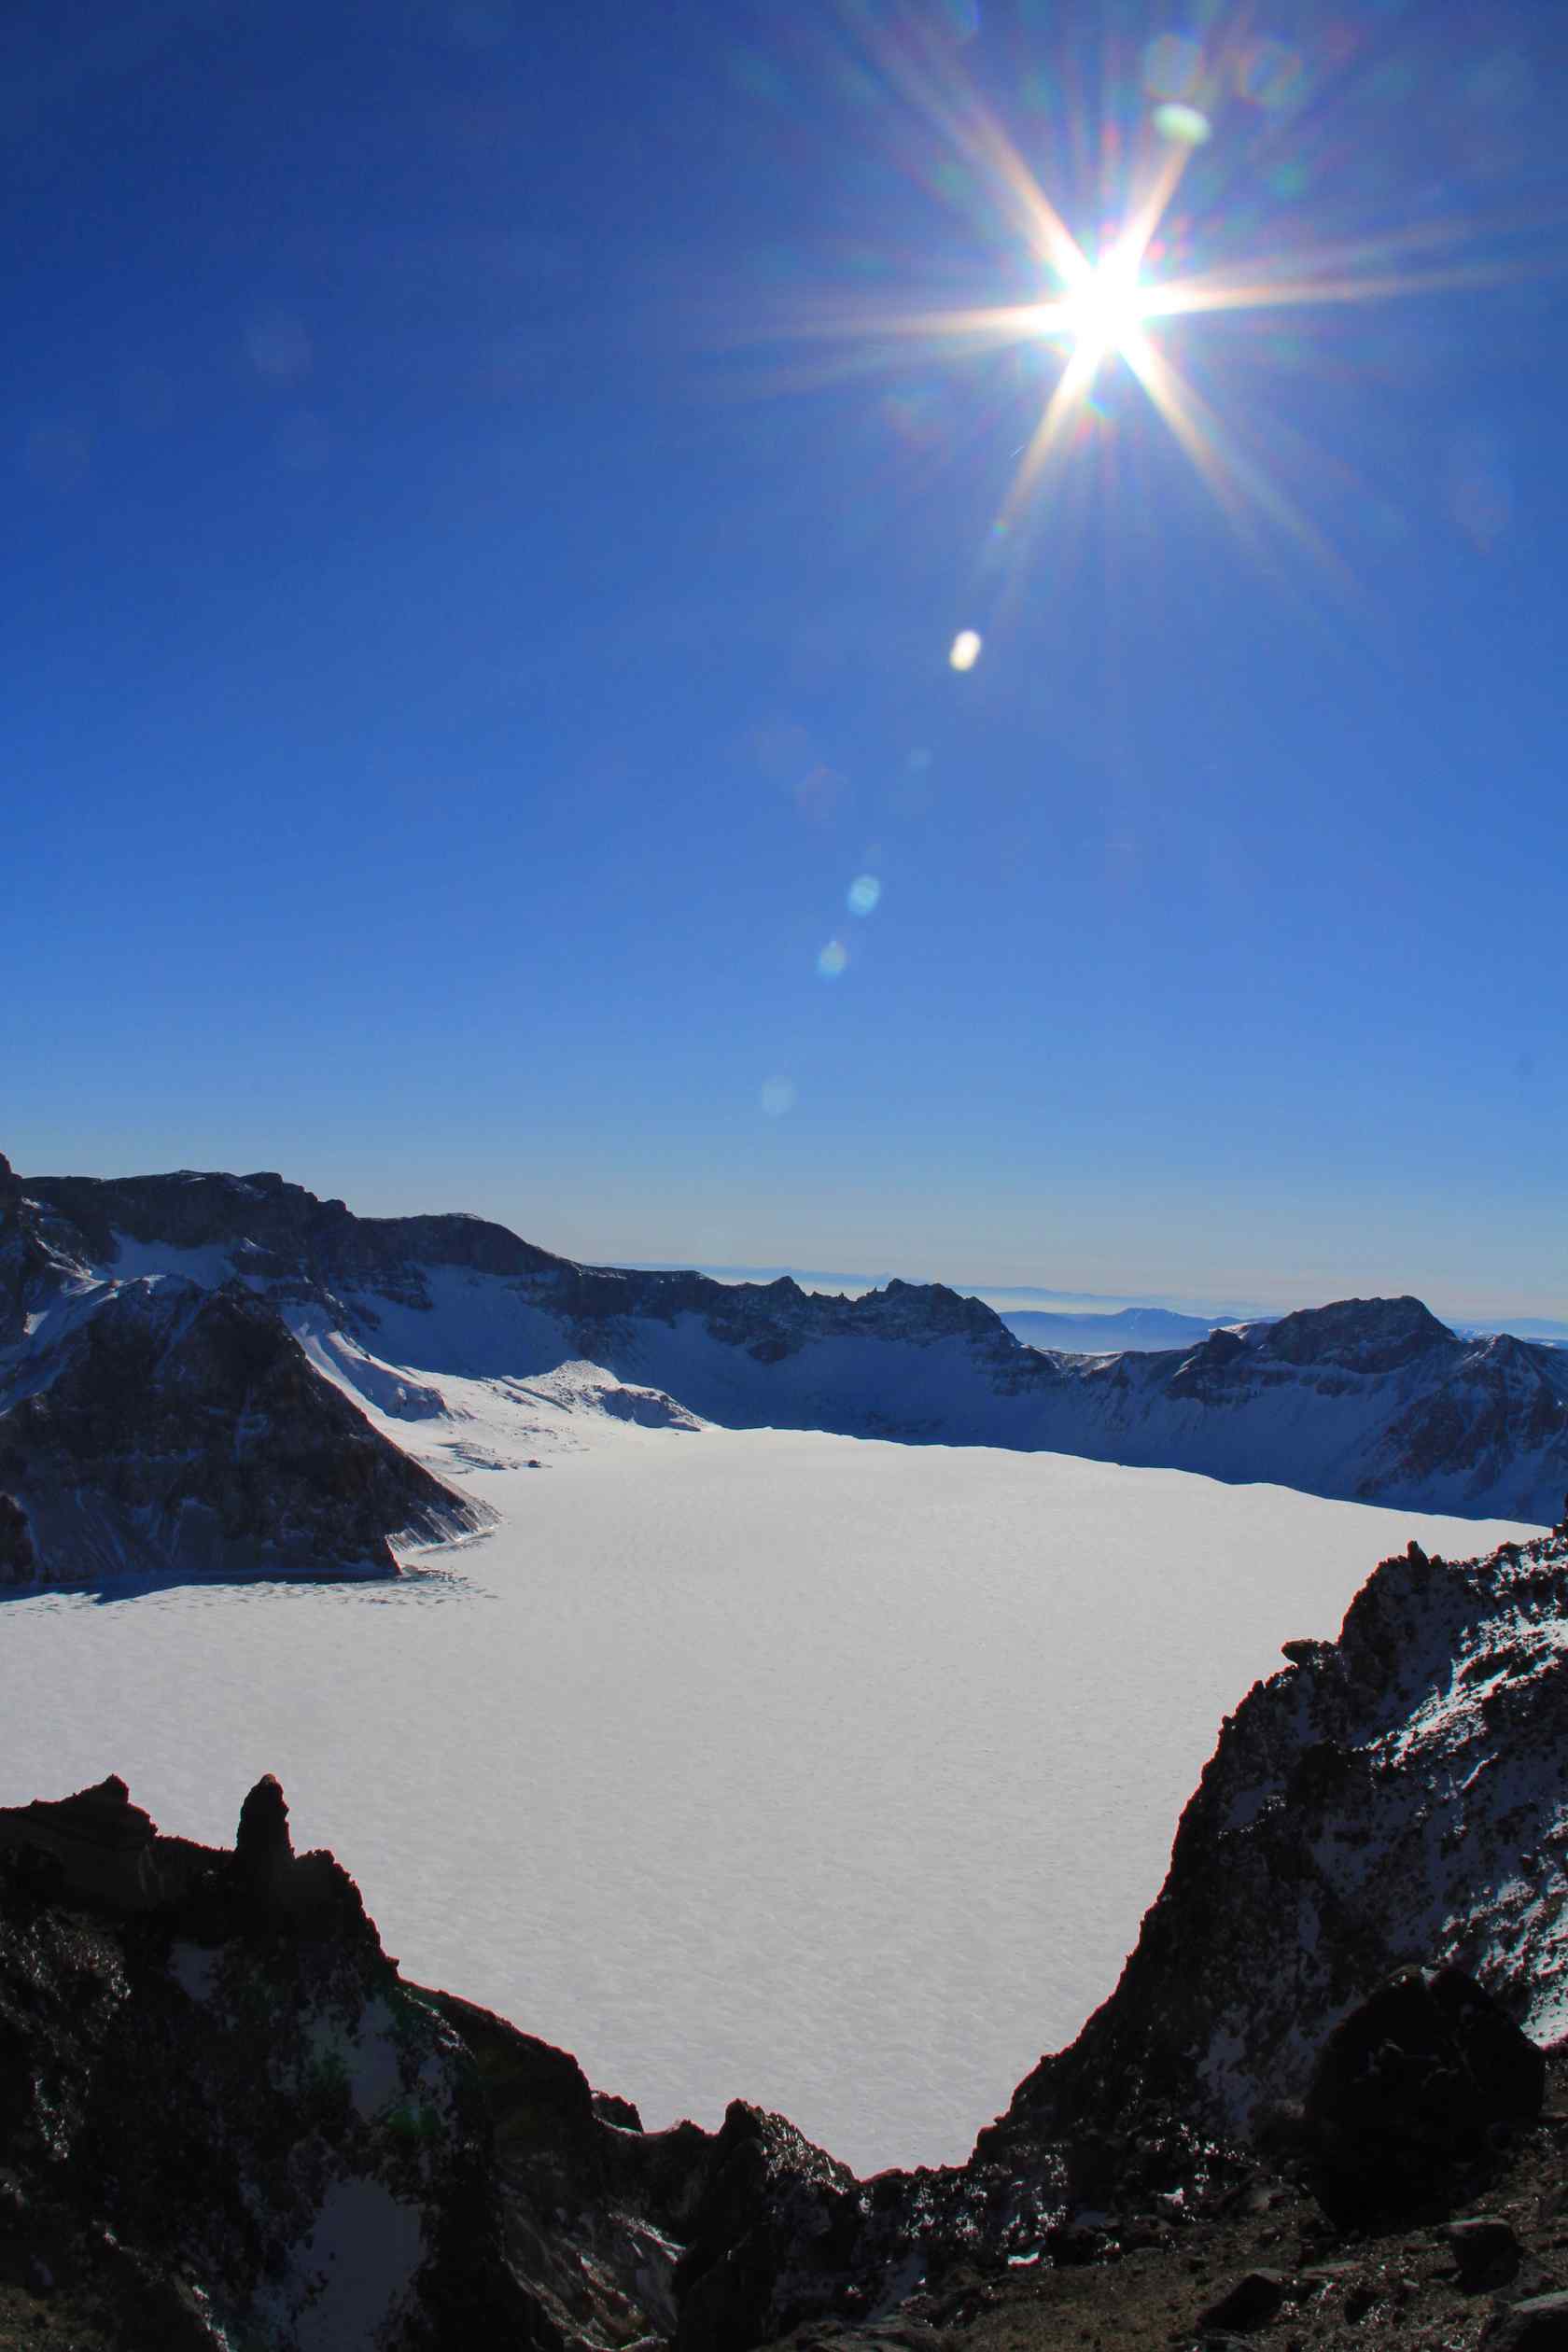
pixel 201 1373
pixel 1096 1323
pixel 1141 1329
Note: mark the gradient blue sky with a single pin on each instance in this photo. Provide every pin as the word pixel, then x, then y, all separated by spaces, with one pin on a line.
pixel 481 576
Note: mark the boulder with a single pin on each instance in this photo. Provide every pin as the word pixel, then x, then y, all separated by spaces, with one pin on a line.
pixel 1413 2094
pixel 1538 2324
pixel 1251 2304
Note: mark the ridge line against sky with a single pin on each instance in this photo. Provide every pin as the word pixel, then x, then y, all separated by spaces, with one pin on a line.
pixel 612 624
pixel 1003 1295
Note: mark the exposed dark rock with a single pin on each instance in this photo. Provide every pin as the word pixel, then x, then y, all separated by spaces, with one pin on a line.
pixel 1486 2254
pixel 1353 1820
pixel 1252 2303
pixel 1358 1334
pixel 623 2113
pixel 774 2233
pixel 1538 2324
pixel 263 1850
pixel 1413 2094
pixel 185 1433
pixel 197 2114
pixel 18 1563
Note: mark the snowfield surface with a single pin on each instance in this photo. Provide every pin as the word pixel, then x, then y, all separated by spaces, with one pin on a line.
pixel 830 1774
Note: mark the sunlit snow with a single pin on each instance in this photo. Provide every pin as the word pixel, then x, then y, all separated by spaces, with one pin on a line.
pixel 829 1773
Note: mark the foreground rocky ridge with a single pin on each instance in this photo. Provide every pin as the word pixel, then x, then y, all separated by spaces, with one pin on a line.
pixel 274 1377
pixel 1399 1795
pixel 228 2119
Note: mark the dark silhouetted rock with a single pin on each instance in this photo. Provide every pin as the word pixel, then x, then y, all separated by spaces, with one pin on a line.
pixel 262 1846
pixel 1410 2094
pixel 1486 2252
pixel 18 1560
pixel 772 2239
pixel 623 2113
pixel 1538 2324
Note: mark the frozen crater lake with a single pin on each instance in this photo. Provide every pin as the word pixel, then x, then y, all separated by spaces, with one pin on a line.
pixel 831 1774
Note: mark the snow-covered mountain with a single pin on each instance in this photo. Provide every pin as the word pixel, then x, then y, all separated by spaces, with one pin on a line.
pixel 197 1368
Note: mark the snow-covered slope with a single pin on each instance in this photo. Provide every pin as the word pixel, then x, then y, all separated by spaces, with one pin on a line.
pixel 1370 1400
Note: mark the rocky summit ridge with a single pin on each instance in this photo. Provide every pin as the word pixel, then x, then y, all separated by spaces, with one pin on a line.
pixel 206 1374
pixel 1308 2113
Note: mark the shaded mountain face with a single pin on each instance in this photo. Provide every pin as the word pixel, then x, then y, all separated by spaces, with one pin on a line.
pixel 1373 1400
pixel 168 1430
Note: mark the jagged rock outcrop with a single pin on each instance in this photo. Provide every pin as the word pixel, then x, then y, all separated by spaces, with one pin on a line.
pixel 1398 1797
pixel 227 2118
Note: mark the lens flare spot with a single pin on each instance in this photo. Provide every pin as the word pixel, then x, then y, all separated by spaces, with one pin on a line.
pixel 778 1095
pixel 965 650
pixel 1271 76
pixel 831 963
pixel 1183 125
pixel 863 893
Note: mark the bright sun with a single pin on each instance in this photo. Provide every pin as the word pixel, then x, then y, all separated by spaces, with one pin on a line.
pixel 1105 309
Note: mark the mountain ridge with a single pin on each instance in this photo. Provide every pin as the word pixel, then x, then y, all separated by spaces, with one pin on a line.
pixel 371 1322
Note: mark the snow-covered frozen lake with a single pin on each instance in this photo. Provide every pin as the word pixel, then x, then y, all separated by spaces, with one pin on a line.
pixel 829 1774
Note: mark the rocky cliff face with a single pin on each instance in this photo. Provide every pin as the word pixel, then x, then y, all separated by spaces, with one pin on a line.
pixel 228 2121
pixel 156 1411
pixel 168 1430
pixel 1398 1796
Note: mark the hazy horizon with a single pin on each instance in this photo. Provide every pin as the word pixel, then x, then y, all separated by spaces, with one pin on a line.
pixel 1273 1296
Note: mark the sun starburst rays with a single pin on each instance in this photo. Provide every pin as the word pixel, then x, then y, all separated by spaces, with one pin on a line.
pixel 1111 307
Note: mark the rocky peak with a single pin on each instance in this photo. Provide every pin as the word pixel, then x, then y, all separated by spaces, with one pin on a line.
pixel 1357 1334
pixel 262 1847
pixel 296 1233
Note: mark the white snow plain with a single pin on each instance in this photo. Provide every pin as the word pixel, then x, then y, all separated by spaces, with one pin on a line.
pixel 827 1773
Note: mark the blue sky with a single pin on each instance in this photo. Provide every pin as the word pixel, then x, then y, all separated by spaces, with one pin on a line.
pixel 486 539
